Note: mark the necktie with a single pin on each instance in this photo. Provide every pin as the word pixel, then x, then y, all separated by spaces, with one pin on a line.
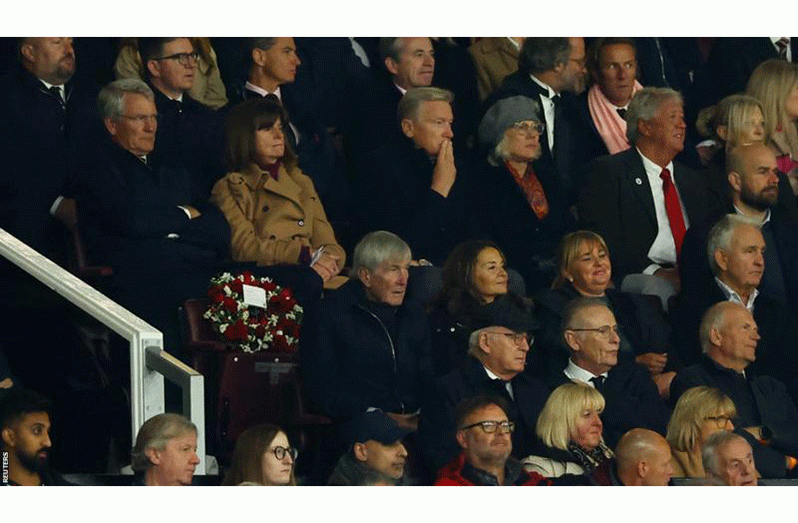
pixel 598 383
pixel 621 112
pixel 782 44
pixel 56 92
pixel 673 209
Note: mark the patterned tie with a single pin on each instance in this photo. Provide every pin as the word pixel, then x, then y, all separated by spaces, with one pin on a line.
pixel 673 209
pixel 782 44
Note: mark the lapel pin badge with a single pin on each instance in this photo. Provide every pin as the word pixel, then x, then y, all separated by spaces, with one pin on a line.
pixel 638 181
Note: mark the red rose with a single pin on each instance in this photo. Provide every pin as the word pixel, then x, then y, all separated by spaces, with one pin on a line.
pixel 215 294
pixel 260 331
pixel 236 332
pixel 247 276
pixel 236 286
pixel 268 285
pixel 230 304
pixel 280 344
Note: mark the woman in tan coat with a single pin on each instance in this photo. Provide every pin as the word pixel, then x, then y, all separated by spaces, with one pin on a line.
pixel 274 213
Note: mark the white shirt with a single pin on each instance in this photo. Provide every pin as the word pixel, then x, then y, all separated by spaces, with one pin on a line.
pixel 512 41
pixel 732 296
pixel 775 39
pixel 401 90
pixel 60 88
pixel 663 250
pixel 576 373
pixel 507 384
pixel 263 92
pixel 764 220
pixel 548 111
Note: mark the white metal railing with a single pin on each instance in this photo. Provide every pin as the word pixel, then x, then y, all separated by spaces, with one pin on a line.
pixel 149 363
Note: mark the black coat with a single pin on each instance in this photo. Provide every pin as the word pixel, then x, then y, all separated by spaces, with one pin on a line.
pixel 632 401
pixel 773 408
pixel 616 202
pixel 641 323
pixel 396 196
pixel 350 362
pixel 131 221
pixel 42 147
pixel 777 351
pixel 530 244
pixel 437 427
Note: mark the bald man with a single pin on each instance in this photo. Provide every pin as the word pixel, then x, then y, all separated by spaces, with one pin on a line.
pixel 643 459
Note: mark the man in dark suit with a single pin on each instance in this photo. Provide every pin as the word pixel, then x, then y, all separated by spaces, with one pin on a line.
pixel 641 201
pixel 552 71
pixel 766 415
pixel 737 263
pixel 498 349
pixel 415 186
pixel 145 217
pixel 189 133
pixel 632 399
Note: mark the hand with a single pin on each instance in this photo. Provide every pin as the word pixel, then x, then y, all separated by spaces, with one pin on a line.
pixel 192 211
pixel 663 382
pixel 444 174
pixel 327 265
pixel 407 421
pixel 670 274
pixel 654 362
pixel 755 432
pixel 67 213
pixel 6 383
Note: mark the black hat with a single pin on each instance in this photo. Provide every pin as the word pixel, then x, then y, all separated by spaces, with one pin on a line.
pixel 505 313
pixel 374 425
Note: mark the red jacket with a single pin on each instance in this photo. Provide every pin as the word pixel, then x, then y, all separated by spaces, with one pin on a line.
pixel 452 475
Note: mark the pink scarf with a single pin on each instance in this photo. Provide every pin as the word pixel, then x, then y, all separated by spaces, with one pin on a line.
pixel 609 123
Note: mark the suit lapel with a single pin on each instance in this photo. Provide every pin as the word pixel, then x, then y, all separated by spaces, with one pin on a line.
pixel 285 186
pixel 638 180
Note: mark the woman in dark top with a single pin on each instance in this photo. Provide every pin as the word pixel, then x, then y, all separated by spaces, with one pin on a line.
pixel 521 200
pixel 585 270
pixel 474 279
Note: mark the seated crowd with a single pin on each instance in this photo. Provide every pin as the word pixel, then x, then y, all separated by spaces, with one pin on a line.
pixel 531 272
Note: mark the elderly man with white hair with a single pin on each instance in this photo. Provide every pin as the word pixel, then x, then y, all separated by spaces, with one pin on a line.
pixel 729 459
pixel 165 453
pixel 766 415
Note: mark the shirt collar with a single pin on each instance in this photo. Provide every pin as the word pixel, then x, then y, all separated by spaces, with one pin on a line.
pixel 732 295
pixel 575 372
pixel 401 89
pixel 551 92
pixel 261 91
pixel 764 221
pixel 516 44
pixel 652 168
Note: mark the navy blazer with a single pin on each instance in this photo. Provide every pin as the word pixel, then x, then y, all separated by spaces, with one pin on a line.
pixel 617 203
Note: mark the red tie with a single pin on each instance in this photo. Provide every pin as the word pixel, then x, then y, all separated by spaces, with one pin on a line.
pixel 673 209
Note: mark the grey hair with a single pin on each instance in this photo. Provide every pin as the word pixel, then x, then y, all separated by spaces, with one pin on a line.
pixel 411 102
pixel 721 234
pixel 391 47
pixel 155 434
pixel 713 319
pixel 709 452
pixel 473 342
pixel 261 42
pixel 375 248
pixel 499 154
pixel 543 54
pixel 573 309
pixel 644 106
pixel 110 101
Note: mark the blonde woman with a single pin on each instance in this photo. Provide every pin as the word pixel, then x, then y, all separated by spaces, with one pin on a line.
pixel 775 83
pixel 699 413
pixel 571 431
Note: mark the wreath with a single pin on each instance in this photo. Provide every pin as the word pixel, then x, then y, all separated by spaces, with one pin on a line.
pixel 270 324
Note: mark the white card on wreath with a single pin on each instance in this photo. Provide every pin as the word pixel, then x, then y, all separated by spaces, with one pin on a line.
pixel 254 296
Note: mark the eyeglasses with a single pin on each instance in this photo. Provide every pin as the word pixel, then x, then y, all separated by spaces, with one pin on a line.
pixel 517 337
pixel 185 59
pixel 280 452
pixel 141 118
pixel 720 421
pixel 529 127
pixel 604 330
pixel 489 427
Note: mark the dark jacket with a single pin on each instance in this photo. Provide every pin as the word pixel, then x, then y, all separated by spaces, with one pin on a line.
pixel 437 427
pixel 616 202
pixel 529 243
pixel 632 401
pixel 396 196
pixel 772 409
pixel 350 472
pixel 777 350
pixel 351 361
pixel 641 323
pixel 458 473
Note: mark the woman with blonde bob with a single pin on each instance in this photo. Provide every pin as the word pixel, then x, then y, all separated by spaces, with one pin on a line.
pixel 571 431
pixel 699 413
pixel 262 456
pixel 774 82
